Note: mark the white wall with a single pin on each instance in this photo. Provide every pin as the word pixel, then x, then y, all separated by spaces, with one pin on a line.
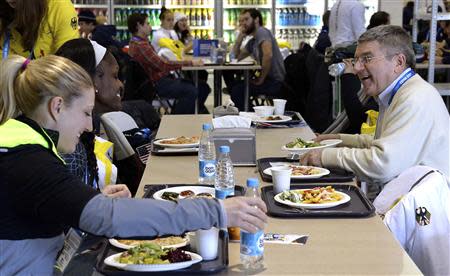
pixel 394 8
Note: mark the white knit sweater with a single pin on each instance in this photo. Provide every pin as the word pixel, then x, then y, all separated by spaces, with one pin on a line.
pixel 414 131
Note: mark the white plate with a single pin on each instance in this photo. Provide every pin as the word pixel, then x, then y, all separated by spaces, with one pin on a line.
pixel 323 172
pixel 111 261
pixel 345 199
pixel 242 62
pixel 323 144
pixel 263 119
pixel 117 244
pixel 178 189
pixel 158 143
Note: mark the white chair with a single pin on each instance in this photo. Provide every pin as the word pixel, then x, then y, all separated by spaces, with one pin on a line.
pixel 420 221
pixel 115 123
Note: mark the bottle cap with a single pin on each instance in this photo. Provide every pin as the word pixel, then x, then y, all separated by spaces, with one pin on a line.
pixel 224 149
pixel 206 126
pixel 252 182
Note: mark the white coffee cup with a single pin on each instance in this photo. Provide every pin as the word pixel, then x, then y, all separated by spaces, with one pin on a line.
pixel 207 243
pixel 279 105
pixel 281 178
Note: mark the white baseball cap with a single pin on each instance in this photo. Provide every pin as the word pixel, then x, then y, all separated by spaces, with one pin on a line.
pixel 178 16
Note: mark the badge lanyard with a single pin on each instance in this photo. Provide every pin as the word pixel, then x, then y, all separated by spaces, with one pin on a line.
pixel 6 45
pixel 399 84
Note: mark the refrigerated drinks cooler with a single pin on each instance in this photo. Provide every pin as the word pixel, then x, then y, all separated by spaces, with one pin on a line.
pixel 289 20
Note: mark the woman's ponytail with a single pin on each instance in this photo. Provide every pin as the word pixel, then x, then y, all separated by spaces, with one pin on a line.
pixel 9 69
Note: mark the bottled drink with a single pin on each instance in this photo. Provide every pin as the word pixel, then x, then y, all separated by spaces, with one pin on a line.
pixel 336 69
pixel 206 157
pixel 224 183
pixel 252 245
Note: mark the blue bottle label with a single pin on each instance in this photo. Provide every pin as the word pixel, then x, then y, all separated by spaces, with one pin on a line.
pixel 222 194
pixel 252 244
pixel 207 168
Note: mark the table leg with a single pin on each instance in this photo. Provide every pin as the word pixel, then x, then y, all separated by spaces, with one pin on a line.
pixel 195 73
pixel 247 89
pixel 217 88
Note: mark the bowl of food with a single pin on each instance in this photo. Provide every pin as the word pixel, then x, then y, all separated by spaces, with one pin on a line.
pixel 264 110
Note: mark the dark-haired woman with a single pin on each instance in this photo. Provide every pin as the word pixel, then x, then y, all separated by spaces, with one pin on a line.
pixel 37 28
pixel 103 68
pixel 166 30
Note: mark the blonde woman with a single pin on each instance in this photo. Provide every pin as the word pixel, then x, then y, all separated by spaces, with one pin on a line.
pixel 45 105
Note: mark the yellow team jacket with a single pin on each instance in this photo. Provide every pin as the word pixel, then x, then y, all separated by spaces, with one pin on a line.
pixel 59 25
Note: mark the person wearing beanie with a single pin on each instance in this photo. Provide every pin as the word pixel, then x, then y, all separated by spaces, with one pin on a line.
pixel 87 23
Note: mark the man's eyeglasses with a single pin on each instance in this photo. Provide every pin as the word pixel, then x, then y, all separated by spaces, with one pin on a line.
pixel 367 59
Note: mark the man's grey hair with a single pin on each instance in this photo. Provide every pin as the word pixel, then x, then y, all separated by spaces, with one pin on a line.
pixel 393 40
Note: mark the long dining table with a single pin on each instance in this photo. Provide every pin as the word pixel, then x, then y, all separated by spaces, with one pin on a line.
pixel 336 246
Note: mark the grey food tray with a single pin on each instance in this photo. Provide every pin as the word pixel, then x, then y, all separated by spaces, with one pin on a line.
pixel 150 189
pixel 335 175
pixel 297 120
pixel 203 267
pixel 358 206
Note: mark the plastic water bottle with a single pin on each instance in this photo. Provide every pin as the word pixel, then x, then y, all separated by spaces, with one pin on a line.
pixel 224 174
pixel 252 245
pixel 206 157
pixel 336 69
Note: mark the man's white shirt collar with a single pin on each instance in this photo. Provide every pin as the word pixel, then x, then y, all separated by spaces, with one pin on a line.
pixel 384 97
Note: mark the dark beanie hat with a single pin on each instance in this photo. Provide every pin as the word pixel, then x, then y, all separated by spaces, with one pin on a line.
pixel 86 16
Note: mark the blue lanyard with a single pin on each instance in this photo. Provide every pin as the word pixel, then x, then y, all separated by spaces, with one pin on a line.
pixel 399 84
pixel 137 38
pixel 6 45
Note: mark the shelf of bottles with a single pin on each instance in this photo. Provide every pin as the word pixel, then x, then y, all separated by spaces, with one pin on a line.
pixel 98 7
pixel 294 22
pixel 232 9
pixel 124 8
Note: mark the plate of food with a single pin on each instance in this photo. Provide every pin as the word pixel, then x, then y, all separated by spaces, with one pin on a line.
pixel 299 145
pixel 183 192
pixel 272 119
pixel 178 142
pixel 167 242
pixel 315 198
pixel 151 257
pixel 303 172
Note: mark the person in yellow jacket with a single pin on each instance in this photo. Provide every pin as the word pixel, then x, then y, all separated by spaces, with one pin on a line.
pixel 36 28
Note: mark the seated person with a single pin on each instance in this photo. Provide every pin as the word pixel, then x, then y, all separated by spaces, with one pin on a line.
pixel 86 23
pixel 230 76
pixel 264 48
pixel 103 68
pixel 323 40
pixel 184 35
pixel 407 133
pixel 159 69
pixel 166 30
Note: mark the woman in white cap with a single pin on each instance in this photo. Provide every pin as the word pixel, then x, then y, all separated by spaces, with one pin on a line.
pixel 183 32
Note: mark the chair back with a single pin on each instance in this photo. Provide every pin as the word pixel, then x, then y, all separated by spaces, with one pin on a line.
pixel 420 221
pixel 115 123
pixel 138 85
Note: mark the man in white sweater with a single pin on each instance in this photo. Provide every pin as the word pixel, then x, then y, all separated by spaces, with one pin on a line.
pixel 413 124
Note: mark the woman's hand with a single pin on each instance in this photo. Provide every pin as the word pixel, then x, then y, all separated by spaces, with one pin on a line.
pixel 246 212
pixel 117 190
